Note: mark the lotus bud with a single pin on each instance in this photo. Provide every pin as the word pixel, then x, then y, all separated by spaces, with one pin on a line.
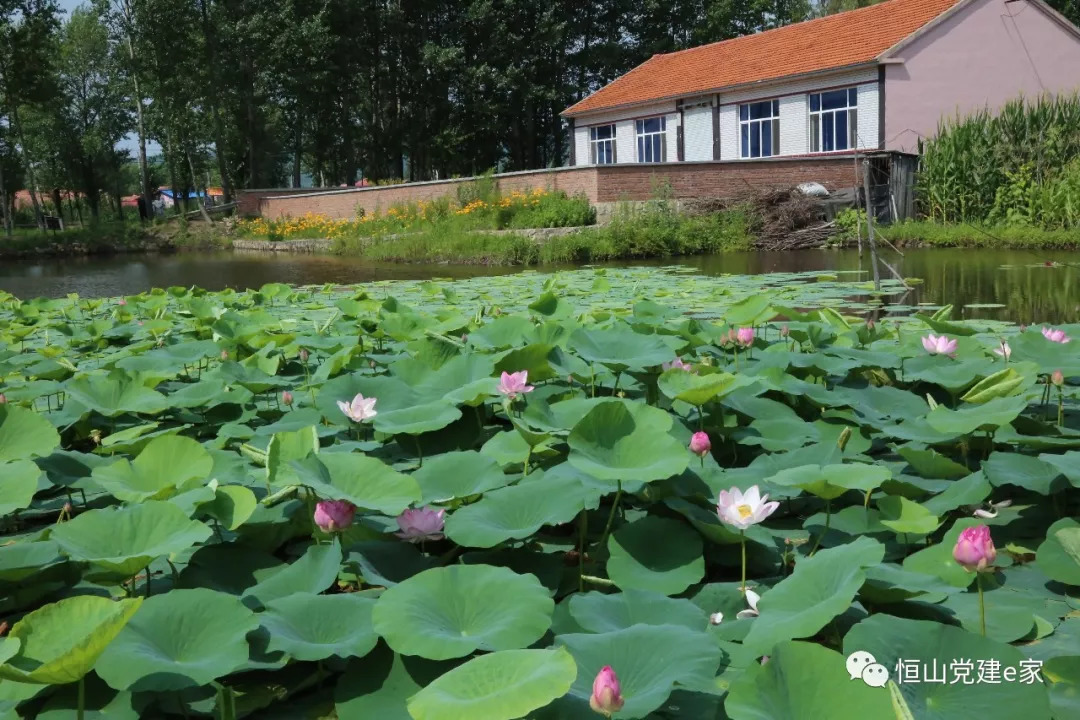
pixel 304 355
pixel 287 398
pixel 870 324
pixel 334 515
pixel 784 330
pixel 745 336
pixel 700 444
pixel 845 435
pixel 1057 378
pixel 3 399
pixel 716 618
pixel 224 355
pixel 975 550
pixel 606 697
pixel 3 628
pixel 121 302
pixel 1023 327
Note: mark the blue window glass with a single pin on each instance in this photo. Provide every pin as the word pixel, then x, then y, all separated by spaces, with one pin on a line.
pixel 841 130
pixel 827 132
pixel 755 140
pixel 766 140
pixel 834 100
pixel 744 112
pixel 745 140
pixel 852 97
pixel 815 102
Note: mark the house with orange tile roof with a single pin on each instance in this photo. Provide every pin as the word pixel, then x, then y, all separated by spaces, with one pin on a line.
pixel 876 78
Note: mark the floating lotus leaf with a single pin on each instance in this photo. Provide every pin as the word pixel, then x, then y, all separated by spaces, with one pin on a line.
pixel 25 434
pixel 831 481
pixel 803 681
pixel 619 441
pixel 458 475
pixel 125 540
pixel 638 561
pixel 450 612
pixel 364 481
pixel 600 613
pixel 60 642
pixel 498 686
pixel 1059 555
pixel 166 466
pixel 315 627
pixel 182 639
pixel 620 348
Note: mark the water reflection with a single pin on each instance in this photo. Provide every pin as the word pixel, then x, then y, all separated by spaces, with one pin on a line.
pixel 1020 280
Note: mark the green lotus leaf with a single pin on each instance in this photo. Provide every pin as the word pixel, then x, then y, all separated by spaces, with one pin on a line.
pixel 620 348
pixel 60 642
pixel 499 686
pixel 182 639
pixel 315 627
pixel 453 611
pixel 700 389
pixel 167 465
pixel 820 588
pixel 649 660
pixel 364 481
pixel 831 481
pixel 1028 472
pixel 937 646
pixel 458 475
pixel 286 447
pixel 969 418
pixel 116 394
pixel 1064 674
pixel 313 573
pixel 618 441
pixel 378 685
pixel 18 483
pixel 937 560
pixel 125 540
pixel 637 560
pixel 752 310
pixel 905 516
pixel 601 613
pixel 507 448
pixel 1059 555
pixel 1001 384
pixel 1009 615
pixel 970 490
pixel 931 464
pixel 804 681
pixel 23 559
pixel 232 505
pixel 25 434
pixel 520 510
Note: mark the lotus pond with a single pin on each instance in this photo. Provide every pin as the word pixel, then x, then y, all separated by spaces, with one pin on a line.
pixel 536 496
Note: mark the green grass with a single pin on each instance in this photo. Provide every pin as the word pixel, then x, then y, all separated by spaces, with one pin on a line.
pixel 654 232
pixel 931 234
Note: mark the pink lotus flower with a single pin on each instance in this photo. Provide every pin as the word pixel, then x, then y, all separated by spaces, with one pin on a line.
pixel 784 330
pixel 870 324
pixel 287 398
pixel 975 549
pixel 513 384
pixel 1057 378
pixel 1003 350
pixel 606 697
pixel 678 364
pixel 360 409
pixel 939 345
pixel 121 302
pixel 1055 335
pixel 3 399
pixel 741 510
pixel 700 444
pixel 304 355
pixel 334 515
pixel 224 353
pixel 745 336
pixel 418 525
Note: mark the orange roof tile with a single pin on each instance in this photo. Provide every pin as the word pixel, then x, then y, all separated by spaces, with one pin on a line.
pixel 832 42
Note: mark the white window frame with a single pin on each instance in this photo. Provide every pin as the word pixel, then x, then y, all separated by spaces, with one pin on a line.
pixel 602 150
pixel 646 153
pixel 749 127
pixel 816 131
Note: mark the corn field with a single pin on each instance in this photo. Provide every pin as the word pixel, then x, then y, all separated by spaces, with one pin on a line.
pixel 1019 166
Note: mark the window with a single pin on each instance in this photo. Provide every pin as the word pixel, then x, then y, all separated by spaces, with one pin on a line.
pixel 602 145
pixel 652 139
pixel 834 120
pixel 759 126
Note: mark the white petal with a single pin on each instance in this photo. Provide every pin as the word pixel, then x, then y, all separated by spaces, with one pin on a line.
pixel 743 614
pixel 752 599
pixel 716 618
pixel 752 497
pixel 987 514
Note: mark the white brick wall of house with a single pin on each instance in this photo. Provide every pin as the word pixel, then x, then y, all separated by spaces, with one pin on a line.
pixel 698 128
pixel 698 133
pixel 582 151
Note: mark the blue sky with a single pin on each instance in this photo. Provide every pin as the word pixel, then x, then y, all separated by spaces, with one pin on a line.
pixel 131 142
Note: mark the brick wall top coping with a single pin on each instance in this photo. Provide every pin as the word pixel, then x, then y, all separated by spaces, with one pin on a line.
pixel 573 168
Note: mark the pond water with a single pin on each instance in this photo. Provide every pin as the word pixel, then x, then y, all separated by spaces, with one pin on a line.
pixel 1021 282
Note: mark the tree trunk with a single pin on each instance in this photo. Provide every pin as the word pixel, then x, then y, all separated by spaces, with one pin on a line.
pixel 31 186
pixel 298 146
pixel 215 101
pixel 4 202
pixel 199 201
pixel 144 173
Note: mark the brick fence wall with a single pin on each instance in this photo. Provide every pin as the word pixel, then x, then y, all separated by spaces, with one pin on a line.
pixel 600 184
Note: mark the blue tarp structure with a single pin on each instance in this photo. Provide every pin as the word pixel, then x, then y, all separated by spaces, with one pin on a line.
pixel 167 192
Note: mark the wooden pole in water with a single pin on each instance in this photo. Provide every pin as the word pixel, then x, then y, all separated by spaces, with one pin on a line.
pixel 870 224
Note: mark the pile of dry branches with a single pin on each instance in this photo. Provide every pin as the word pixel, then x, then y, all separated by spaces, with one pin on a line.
pixel 781 219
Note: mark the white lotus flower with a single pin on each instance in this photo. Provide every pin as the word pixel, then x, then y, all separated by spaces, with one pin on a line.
pixel 716 618
pixel 742 510
pixel 360 409
pixel 751 600
pixel 993 511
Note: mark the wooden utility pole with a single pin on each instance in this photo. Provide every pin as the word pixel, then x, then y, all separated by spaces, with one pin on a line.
pixel 870 224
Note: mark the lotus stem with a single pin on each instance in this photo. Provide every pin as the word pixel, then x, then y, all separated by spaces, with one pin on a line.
pixel 597 580
pixel 828 517
pixel 1061 408
pixel 982 604
pixel 583 533
pixel 147 586
pixel 80 712
pixel 420 451
pixel 742 542
pixel 611 516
